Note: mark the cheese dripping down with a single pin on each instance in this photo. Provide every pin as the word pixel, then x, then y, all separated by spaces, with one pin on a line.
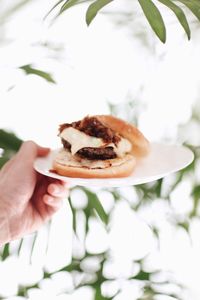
pixel 79 140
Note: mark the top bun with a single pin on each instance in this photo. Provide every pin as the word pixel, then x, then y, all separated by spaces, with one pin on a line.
pixel 140 145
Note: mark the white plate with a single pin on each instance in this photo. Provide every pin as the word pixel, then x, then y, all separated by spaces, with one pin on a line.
pixel 162 160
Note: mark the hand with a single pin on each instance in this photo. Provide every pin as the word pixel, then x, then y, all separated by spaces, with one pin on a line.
pixel 27 199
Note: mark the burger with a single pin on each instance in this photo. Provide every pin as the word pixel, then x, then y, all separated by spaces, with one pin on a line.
pixel 100 146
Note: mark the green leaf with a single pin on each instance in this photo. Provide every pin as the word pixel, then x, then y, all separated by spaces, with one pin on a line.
pixel 194 7
pixel 20 246
pixel 94 203
pixel 94 8
pixel 33 245
pixel 68 4
pixel 4 159
pixel 6 251
pixel 154 18
pixel 196 198
pixel 99 296
pixel 185 225
pixel 59 2
pixel 196 192
pixel 196 2
pixel 10 144
pixel 158 187
pixel 142 275
pixel 30 70
pixel 179 14
pixel 9 141
pixel 73 214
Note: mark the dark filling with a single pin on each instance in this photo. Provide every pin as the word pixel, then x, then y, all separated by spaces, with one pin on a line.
pixel 93 127
pixel 93 153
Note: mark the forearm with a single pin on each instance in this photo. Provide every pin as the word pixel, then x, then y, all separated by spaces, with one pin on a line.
pixel 4 224
pixel 4 230
pixel 10 220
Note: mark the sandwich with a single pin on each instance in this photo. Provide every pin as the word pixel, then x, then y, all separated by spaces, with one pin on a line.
pixel 100 146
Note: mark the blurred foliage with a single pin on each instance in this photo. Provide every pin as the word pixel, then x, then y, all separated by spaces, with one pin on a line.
pixel 10 144
pixel 146 195
pixel 11 10
pixel 7 12
pixel 28 69
pixel 150 9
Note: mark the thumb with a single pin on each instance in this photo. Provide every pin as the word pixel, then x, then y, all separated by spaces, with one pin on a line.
pixel 30 150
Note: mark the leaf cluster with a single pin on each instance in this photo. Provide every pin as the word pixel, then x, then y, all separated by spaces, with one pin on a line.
pixel 151 10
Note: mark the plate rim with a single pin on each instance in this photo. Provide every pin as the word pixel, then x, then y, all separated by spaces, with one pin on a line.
pixel 111 182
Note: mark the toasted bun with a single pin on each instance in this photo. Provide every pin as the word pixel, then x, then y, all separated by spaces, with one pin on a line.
pixel 122 170
pixel 140 145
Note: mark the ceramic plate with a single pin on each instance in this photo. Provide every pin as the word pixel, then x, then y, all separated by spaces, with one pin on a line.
pixel 162 160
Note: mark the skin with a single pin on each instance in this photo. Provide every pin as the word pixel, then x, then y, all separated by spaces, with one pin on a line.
pixel 27 199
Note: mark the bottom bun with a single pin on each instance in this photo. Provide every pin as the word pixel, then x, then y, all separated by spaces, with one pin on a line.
pixel 115 171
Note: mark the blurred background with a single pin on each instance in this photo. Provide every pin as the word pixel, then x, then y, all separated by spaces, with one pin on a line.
pixel 139 242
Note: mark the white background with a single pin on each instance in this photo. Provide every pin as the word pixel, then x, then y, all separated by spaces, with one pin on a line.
pixel 99 64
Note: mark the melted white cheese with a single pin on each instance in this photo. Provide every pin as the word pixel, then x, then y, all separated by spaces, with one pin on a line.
pixel 123 147
pixel 79 140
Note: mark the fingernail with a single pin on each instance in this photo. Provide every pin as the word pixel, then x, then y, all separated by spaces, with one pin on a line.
pixel 56 189
pixel 50 200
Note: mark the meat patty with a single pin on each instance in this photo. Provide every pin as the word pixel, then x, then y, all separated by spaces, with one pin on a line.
pixel 97 153
pixel 92 153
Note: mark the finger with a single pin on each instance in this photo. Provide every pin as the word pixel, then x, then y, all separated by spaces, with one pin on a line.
pixel 65 184
pixel 42 151
pixel 54 202
pixel 57 190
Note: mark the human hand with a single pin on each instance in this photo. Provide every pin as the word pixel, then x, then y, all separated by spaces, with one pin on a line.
pixel 27 199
